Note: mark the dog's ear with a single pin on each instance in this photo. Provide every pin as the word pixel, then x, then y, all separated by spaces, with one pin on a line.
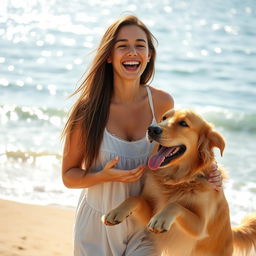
pixel 207 141
pixel 216 140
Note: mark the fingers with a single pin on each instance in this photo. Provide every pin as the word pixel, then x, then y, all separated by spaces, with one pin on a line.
pixel 215 177
pixel 214 167
pixel 138 169
pixel 214 171
pixel 133 175
pixel 112 163
pixel 215 174
pixel 114 174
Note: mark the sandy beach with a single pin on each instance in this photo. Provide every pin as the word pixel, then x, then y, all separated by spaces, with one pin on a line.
pixel 30 230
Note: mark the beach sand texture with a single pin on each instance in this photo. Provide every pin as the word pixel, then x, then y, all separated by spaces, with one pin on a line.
pixel 30 230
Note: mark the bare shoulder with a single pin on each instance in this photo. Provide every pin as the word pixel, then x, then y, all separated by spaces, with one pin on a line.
pixel 162 101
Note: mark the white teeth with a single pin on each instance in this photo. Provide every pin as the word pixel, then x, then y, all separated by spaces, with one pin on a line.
pixel 174 151
pixel 131 63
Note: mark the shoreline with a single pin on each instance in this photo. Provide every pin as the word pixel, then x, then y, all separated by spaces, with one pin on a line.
pixel 29 230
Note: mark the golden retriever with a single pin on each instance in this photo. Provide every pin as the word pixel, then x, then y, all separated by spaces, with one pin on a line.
pixel 189 217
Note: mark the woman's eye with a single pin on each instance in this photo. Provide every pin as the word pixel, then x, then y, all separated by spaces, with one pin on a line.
pixel 141 46
pixel 121 46
pixel 183 124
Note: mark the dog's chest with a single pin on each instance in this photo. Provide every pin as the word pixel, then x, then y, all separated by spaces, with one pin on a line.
pixel 161 194
pixel 183 197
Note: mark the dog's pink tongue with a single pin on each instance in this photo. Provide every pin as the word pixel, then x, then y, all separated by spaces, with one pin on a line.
pixel 155 160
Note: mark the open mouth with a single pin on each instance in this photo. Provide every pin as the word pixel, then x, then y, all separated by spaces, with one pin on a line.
pixel 165 155
pixel 131 65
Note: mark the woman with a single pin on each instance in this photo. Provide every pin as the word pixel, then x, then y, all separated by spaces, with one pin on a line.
pixel 105 145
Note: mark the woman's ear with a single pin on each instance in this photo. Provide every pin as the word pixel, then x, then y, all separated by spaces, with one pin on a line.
pixel 109 60
pixel 149 57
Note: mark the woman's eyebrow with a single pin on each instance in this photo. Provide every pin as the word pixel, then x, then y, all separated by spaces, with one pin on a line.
pixel 126 40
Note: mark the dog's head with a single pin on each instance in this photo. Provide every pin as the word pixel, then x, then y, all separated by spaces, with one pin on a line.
pixel 185 141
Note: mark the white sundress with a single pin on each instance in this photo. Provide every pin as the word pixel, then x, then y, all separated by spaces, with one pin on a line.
pixel 91 236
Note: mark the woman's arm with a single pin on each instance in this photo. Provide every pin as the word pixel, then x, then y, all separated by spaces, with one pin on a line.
pixel 74 176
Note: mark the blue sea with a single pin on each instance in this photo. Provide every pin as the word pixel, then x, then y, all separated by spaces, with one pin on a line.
pixel 206 60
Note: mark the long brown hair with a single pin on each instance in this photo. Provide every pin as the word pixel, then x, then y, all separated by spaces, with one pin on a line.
pixel 90 111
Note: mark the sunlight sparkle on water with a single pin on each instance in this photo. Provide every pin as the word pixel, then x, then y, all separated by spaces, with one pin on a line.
pixel 85 17
pixel 52 89
pixel 20 83
pixel 40 43
pixel 216 26
pixel 29 79
pixel 231 30
pixel 204 52
pixel 59 53
pixel 41 60
pixel 88 44
pixel 4 82
pixel 190 54
pixel 248 10
pixel 69 66
pixel 50 39
pixel 78 61
pixel 185 42
pixel 2 59
pixel 39 87
pixel 2 31
pixel 218 50
pixel 168 9
pixel 13 116
pixel 56 121
pixel 68 41
pixel 45 53
pixel 11 68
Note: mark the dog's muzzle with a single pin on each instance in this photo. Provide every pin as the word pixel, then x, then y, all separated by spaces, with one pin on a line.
pixel 154 131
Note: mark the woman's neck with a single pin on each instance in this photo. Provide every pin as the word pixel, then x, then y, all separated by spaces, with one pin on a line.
pixel 127 92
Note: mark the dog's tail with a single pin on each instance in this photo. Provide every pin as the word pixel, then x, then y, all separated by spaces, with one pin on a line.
pixel 244 237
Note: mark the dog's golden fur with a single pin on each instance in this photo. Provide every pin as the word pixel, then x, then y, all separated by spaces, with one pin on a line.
pixel 179 204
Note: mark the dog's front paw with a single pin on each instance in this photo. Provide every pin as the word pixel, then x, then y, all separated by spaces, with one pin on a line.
pixel 160 223
pixel 114 217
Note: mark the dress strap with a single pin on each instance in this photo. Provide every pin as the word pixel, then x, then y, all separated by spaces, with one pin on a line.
pixel 151 102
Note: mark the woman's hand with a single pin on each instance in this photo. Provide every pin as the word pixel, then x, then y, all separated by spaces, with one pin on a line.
pixel 215 177
pixel 110 173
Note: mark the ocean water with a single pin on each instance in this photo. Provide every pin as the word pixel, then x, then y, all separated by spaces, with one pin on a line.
pixel 206 60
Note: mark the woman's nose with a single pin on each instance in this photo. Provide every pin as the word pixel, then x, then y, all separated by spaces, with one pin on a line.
pixel 132 51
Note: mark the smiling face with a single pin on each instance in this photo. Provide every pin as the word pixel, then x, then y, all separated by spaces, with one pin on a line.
pixel 177 138
pixel 184 138
pixel 130 54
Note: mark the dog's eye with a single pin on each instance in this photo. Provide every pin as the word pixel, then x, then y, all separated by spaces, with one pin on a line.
pixel 164 118
pixel 183 123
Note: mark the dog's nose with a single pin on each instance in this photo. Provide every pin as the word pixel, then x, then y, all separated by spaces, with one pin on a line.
pixel 154 131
